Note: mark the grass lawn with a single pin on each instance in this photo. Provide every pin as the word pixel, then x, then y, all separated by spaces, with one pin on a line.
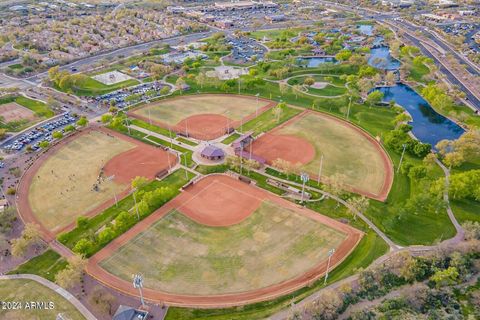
pixel 405 227
pixel 92 87
pixel 231 138
pixel 61 190
pixel 172 111
pixel 29 290
pixel 46 265
pixel 187 141
pixel 370 248
pixel 268 120
pixel 40 111
pixel 466 210
pixel 334 85
pixel 197 259
pixel 174 181
pixel 152 127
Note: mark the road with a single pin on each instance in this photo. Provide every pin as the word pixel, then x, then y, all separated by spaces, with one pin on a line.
pixel 472 93
pixel 127 51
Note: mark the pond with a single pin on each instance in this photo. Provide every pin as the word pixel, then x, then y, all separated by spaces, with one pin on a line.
pixel 313 62
pixel 428 125
pixel 380 58
pixel 366 29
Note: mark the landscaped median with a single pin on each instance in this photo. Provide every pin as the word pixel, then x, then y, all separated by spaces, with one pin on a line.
pixel 92 234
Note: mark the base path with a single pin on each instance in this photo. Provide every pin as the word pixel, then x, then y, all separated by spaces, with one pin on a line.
pixel 187 203
pixel 142 160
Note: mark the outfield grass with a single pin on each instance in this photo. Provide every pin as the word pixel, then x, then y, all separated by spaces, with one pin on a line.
pixel 268 120
pixel 370 248
pixel 46 265
pixel 174 181
pixel 172 111
pixel 346 152
pixel 185 257
pixel 28 290
pixel 62 188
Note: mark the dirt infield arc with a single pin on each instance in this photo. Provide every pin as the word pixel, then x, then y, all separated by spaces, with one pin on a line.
pixel 190 203
pixel 207 123
pixel 141 160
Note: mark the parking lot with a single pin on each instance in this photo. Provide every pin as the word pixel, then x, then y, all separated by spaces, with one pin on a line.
pixel 140 92
pixel 244 49
pixel 38 134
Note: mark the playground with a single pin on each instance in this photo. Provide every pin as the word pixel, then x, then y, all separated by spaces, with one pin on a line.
pixel 224 242
pixel 204 117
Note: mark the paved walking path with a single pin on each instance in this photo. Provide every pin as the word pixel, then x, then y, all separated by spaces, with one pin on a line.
pixel 64 293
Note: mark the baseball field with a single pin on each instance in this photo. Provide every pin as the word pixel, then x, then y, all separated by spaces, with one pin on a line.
pixel 83 174
pixel 223 241
pixel 27 291
pixel 204 116
pixel 348 152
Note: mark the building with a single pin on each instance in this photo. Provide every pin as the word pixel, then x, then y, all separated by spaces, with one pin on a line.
pixel 275 18
pixel 129 313
pixel 213 153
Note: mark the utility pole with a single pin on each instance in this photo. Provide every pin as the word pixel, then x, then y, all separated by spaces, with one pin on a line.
pixel 135 201
pixel 401 158
pixel 138 284
pixel 320 170
pixel 330 254
pixel 186 173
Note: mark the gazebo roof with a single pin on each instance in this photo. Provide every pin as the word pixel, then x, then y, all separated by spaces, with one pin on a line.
pixel 212 151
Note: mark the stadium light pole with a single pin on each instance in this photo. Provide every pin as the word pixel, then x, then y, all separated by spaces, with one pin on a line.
pixel 401 158
pixel 185 158
pixel 135 202
pixel 138 284
pixel 171 139
pixel 128 127
pixel 349 105
pixel 330 254
pixel 186 126
pixel 304 177
pixel 320 170
pixel 114 193
pixel 149 117
pixel 256 110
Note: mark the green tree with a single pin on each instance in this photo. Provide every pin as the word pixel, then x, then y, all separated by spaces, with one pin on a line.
pixel 445 277
pixel 374 98
pixel 57 135
pixel 82 122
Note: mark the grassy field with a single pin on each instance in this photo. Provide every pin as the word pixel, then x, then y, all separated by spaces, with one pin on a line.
pixel 173 111
pixel 182 256
pixel 335 86
pixel 345 151
pixel 92 87
pixel 46 265
pixel 28 290
pixel 370 248
pixel 39 109
pixel 62 187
